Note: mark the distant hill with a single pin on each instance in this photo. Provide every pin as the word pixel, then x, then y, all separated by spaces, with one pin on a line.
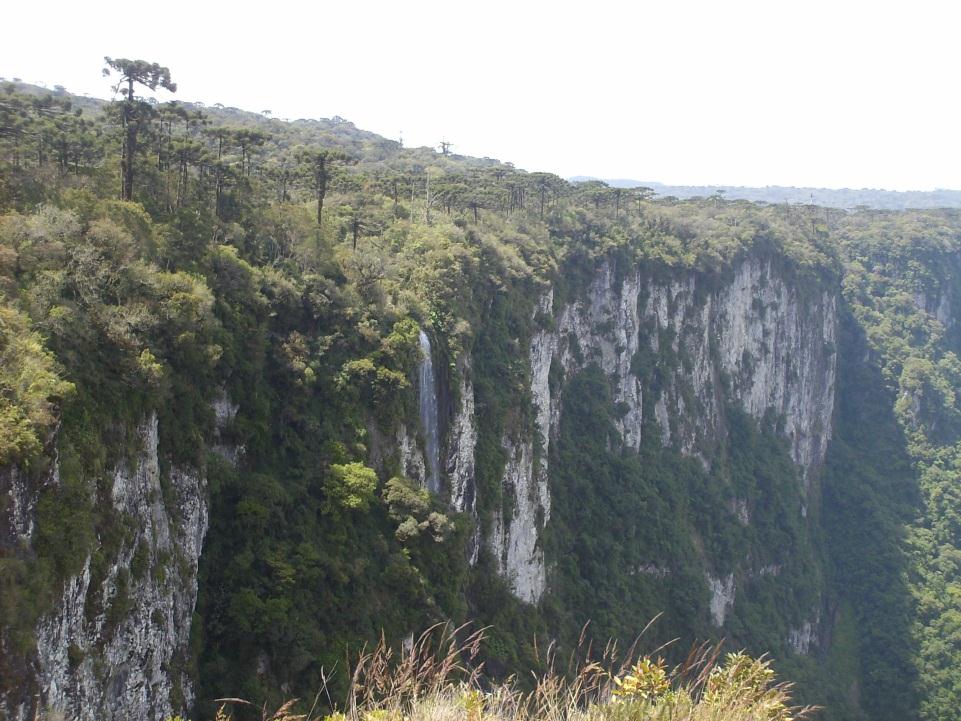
pixel 368 148
pixel 830 197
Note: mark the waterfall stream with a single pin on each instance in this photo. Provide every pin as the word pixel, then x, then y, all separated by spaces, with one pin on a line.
pixel 427 398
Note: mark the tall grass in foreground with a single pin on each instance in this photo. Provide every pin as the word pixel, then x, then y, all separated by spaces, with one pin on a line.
pixel 435 678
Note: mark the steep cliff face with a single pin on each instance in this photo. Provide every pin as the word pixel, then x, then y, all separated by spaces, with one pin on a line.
pixel 680 348
pixel 938 303
pixel 20 494
pixel 462 443
pixel 20 491
pixel 115 645
pixel 677 349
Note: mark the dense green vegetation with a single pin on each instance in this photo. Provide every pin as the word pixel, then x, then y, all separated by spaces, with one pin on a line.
pixel 869 496
pixel 160 256
pixel 902 283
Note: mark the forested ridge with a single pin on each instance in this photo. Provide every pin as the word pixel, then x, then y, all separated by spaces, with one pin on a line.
pixel 850 198
pixel 158 257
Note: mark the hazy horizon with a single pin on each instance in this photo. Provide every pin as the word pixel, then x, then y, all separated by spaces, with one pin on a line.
pixel 579 177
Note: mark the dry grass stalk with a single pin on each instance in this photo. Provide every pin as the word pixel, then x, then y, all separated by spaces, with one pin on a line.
pixel 437 678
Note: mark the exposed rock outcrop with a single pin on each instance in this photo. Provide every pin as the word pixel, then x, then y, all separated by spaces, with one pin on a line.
pixel 805 638
pixel 722 597
pixel 753 336
pixel 462 443
pixel 515 540
pixel 115 648
pixel 115 645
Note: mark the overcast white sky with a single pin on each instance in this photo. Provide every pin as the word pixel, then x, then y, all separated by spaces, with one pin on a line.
pixel 834 94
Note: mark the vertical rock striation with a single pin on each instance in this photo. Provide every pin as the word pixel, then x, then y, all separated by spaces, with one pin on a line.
pixel 760 341
pixel 115 645
pixel 427 404
pixel 755 336
pixel 462 443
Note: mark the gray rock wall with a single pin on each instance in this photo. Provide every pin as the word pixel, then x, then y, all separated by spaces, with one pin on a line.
pixel 115 645
pixel 752 337
pixel 131 660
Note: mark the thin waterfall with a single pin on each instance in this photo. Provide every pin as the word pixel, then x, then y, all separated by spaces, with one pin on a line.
pixel 427 397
